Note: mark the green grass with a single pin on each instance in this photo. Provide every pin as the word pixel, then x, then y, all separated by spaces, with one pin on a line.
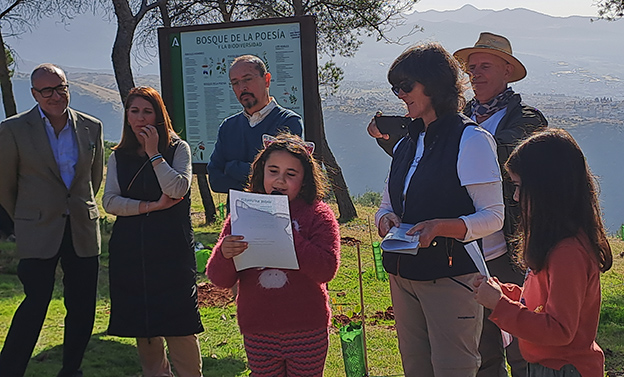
pixel 611 327
pixel 221 344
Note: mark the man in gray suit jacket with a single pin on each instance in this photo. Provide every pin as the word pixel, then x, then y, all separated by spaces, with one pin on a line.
pixel 52 162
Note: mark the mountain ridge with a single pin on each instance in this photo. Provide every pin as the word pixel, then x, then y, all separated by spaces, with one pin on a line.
pixel 575 76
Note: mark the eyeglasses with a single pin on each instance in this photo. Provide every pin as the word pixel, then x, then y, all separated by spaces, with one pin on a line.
pixel 61 90
pixel 404 86
pixel 243 82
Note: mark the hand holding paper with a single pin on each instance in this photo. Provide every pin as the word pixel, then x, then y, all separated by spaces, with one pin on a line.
pixel 386 223
pixel 397 241
pixel 489 292
pixel 264 222
pixel 232 246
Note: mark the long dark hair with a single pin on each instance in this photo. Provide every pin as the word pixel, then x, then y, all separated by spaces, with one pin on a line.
pixel 166 134
pixel 558 198
pixel 314 186
pixel 437 70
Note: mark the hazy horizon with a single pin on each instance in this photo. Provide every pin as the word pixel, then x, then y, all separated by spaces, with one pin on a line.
pixel 36 47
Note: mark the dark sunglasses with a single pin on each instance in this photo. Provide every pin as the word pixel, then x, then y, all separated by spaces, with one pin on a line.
pixel 404 86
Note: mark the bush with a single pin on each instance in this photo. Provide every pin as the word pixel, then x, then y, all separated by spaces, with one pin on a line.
pixel 368 199
pixel 108 149
pixel 8 258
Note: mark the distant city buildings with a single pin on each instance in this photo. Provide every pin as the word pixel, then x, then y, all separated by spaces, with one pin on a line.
pixel 560 109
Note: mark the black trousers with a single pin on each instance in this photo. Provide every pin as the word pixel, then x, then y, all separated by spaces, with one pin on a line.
pixel 80 277
pixel 6 224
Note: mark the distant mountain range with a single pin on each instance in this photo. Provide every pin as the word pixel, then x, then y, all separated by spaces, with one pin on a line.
pixel 566 57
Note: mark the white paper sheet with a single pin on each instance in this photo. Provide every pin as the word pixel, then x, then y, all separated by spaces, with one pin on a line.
pixel 475 254
pixel 397 241
pixel 264 221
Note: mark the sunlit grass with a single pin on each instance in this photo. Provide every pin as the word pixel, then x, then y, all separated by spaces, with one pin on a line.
pixel 221 343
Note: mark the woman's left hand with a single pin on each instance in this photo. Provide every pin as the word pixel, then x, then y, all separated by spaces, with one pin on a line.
pixel 489 292
pixel 430 229
pixel 150 140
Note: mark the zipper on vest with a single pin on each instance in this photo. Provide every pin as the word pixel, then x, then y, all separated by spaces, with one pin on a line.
pixel 449 252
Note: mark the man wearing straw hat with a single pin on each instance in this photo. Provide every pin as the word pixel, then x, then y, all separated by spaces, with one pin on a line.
pixel 497 108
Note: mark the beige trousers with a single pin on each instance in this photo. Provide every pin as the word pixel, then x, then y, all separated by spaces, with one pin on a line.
pixel 183 351
pixel 438 324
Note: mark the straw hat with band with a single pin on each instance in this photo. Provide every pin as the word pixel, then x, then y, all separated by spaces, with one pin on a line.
pixel 495 45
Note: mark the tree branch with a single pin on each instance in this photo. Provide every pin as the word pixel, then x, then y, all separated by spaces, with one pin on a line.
pixel 10 8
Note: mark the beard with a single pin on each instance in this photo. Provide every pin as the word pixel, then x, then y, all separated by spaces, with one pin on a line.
pixel 249 102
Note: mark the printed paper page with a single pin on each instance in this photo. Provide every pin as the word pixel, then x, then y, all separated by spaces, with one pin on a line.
pixel 264 221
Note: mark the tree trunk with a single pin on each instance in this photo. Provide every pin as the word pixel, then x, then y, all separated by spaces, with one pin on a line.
pixel 204 191
pixel 8 99
pixel 316 133
pixel 324 154
pixel 126 25
pixel 298 7
pixel 339 185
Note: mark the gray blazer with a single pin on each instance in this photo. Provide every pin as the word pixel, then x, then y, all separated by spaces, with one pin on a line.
pixel 32 190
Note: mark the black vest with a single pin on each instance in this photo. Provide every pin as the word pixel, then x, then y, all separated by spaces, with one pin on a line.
pixel 434 192
pixel 152 266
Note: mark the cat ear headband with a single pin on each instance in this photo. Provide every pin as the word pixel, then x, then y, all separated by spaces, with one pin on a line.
pixel 307 145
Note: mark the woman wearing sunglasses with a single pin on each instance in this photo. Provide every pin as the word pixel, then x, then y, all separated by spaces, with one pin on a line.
pixel 445 182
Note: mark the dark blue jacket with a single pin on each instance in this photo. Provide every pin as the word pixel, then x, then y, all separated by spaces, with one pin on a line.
pixel 238 144
pixel 434 192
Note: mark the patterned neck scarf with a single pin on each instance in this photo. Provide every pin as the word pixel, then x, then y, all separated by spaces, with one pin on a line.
pixel 495 104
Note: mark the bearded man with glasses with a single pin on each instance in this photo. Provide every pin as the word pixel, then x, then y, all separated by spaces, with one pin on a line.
pixel 52 164
pixel 240 135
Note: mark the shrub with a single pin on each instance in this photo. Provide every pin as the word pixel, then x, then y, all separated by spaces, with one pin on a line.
pixel 368 199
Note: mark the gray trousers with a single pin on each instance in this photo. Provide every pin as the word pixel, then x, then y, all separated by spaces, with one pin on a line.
pixel 493 354
pixel 438 325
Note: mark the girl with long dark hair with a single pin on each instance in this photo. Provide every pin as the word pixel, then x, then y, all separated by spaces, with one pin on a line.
pixel 564 245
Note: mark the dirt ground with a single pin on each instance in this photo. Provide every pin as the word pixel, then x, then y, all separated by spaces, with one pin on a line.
pixel 209 295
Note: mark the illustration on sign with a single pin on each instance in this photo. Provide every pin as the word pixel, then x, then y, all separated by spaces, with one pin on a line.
pixel 206 56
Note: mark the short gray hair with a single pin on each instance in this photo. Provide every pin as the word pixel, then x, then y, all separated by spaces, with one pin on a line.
pixel 47 68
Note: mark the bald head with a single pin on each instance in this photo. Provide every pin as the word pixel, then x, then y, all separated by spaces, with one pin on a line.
pixel 46 68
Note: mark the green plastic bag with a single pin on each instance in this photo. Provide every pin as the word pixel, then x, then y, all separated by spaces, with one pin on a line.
pixel 352 342
pixel 202 258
